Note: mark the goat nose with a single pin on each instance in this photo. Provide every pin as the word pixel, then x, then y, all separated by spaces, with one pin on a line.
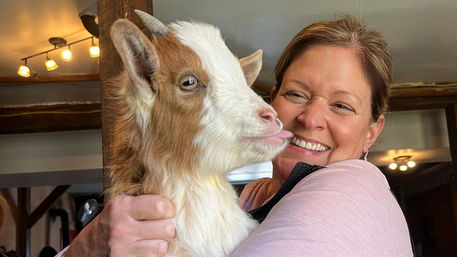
pixel 267 115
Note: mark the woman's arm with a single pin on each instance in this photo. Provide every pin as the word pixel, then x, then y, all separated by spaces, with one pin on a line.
pixel 127 226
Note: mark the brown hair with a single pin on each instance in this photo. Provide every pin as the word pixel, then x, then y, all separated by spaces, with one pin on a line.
pixel 370 46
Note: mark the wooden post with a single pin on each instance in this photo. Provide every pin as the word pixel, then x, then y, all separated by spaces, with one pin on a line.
pixel 110 62
pixel 451 118
pixel 22 231
pixel 26 219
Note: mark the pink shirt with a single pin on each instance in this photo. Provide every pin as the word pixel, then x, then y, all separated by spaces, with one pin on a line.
pixel 346 209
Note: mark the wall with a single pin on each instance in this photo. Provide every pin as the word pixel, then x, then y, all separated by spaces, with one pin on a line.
pixel 421 33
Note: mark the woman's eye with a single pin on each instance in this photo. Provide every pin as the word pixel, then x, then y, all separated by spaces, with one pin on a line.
pixel 344 107
pixel 296 96
pixel 188 83
pixel 293 94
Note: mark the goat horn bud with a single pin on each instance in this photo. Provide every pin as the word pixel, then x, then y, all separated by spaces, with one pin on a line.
pixel 152 24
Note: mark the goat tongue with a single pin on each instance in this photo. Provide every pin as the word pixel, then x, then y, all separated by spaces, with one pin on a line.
pixel 279 137
pixel 284 134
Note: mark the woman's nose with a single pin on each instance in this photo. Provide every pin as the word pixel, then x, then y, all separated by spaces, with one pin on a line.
pixel 314 115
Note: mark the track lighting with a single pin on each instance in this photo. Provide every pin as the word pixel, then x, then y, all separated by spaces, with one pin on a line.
pixel 94 50
pixel 393 166
pixel 66 54
pixel 50 64
pixel 24 70
pixel 402 163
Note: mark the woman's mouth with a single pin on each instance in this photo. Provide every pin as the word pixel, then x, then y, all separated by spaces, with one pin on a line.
pixel 308 145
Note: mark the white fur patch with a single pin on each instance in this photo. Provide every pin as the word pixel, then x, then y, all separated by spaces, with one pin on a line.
pixel 140 101
pixel 230 111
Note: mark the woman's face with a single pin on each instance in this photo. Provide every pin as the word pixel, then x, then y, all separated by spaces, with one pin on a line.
pixel 325 100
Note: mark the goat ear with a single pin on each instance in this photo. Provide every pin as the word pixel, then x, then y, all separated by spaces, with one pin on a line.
pixel 137 53
pixel 251 66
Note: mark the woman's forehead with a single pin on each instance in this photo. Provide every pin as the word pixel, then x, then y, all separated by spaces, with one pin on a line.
pixel 332 67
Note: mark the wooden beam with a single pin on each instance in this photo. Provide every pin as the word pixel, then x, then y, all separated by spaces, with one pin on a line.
pixel 48 79
pixel 22 231
pixel 45 205
pixel 25 221
pixel 45 118
pixel 451 121
pixel 110 62
pixel 420 102
pixel 423 92
pixel 454 202
pixel 415 98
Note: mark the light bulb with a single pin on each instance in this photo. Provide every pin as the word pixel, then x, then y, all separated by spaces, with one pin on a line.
pixel 403 167
pixel 51 64
pixel 393 166
pixel 66 55
pixel 94 51
pixel 411 164
pixel 23 71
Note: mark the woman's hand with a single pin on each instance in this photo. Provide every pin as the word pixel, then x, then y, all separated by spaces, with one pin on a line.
pixel 128 226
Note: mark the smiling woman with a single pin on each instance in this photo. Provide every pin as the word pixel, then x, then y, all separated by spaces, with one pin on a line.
pixel 332 89
pixel 325 99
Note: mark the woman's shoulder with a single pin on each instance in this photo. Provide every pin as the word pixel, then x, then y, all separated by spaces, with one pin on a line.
pixel 348 183
pixel 353 174
pixel 351 196
pixel 344 209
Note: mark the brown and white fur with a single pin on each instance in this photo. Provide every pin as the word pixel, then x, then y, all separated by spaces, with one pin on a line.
pixel 185 116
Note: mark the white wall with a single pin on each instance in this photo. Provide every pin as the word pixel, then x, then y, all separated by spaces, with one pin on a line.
pixel 47 158
pixel 422 33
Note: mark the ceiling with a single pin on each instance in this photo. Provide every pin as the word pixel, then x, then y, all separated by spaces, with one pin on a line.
pixel 26 27
pixel 422 34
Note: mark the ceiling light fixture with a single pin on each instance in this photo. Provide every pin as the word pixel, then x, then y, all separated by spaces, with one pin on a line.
pixel 50 64
pixel 66 54
pixel 94 50
pixel 402 163
pixel 24 70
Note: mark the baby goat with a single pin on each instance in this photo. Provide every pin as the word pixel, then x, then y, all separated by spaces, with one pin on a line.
pixel 185 116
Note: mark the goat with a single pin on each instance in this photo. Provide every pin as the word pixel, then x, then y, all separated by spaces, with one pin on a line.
pixel 185 116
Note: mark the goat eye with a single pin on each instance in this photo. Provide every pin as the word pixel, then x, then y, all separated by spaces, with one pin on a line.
pixel 188 83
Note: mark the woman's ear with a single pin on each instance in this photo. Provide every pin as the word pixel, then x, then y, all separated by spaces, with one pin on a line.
pixel 373 132
pixel 273 89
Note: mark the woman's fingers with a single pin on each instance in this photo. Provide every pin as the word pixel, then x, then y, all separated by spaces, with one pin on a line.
pixel 143 207
pixel 158 229
pixel 143 217
pixel 151 207
pixel 143 248
pixel 128 226
pixel 151 248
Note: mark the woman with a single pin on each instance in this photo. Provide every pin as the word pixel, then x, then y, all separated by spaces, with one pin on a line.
pixel 332 89
pixel 333 80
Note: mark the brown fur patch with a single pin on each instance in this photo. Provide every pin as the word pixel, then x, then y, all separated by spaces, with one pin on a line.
pixel 174 122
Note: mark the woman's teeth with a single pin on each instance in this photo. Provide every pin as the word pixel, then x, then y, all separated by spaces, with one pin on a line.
pixel 309 145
